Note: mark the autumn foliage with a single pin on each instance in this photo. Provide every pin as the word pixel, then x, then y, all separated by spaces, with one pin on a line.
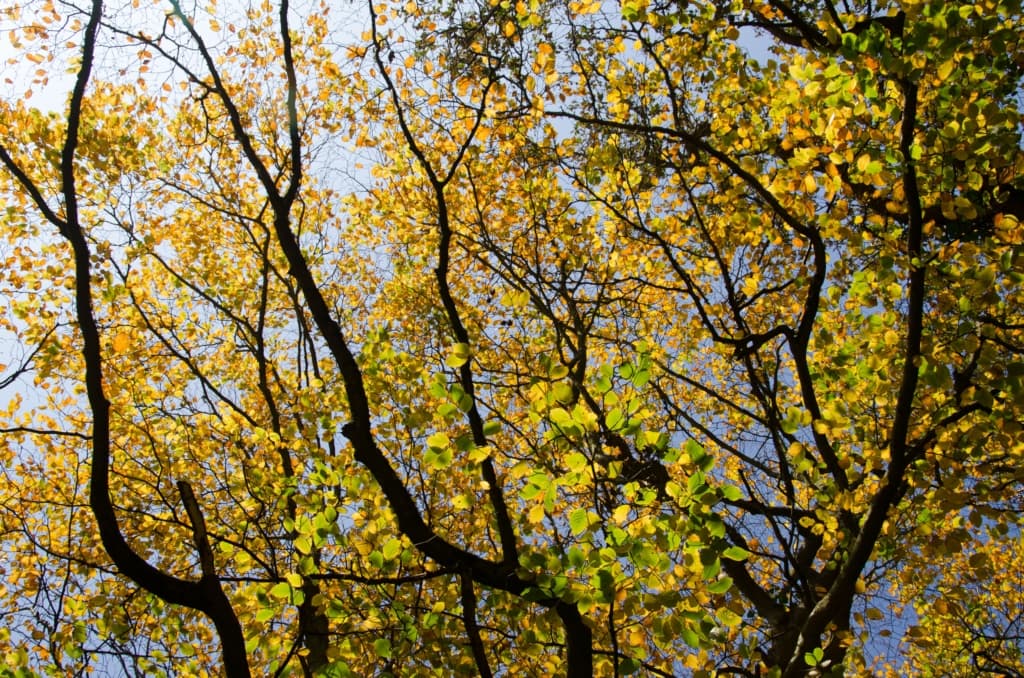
pixel 548 337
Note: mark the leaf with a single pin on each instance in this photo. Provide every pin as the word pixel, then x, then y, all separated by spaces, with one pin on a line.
pixel 382 648
pixel 736 553
pixel 711 569
pixel 628 666
pixel 121 342
pixel 722 585
pixel 730 492
pixel 698 456
pixel 579 521
pixel 728 617
pixel 794 419
pixel 303 544
pixel 438 441
pixel 686 284
pixel 945 69
pixel 391 549
pixel 458 355
pixel 438 460
pixel 690 637
pixel 281 590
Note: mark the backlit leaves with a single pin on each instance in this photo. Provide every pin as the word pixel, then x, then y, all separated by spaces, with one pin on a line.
pixel 692 331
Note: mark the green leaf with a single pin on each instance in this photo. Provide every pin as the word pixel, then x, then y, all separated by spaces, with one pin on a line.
pixel 438 460
pixel 728 617
pixel 794 417
pixel 391 549
pixel 690 637
pixel 628 665
pixel 458 356
pixel 697 455
pixel 730 492
pixel 641 377
pixel 438 441
pixel 281 590
pixel 720 586
pixel 560 417
pixel 535 594
pixel 579 520
pixel 631 10
pixel 382 646
pixel 576 462
pixel 736 553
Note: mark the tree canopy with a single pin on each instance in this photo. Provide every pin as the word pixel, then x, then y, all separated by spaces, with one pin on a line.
pixel 480 337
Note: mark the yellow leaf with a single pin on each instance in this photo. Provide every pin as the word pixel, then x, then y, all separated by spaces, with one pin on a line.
pixel 945 70
pixel 121 342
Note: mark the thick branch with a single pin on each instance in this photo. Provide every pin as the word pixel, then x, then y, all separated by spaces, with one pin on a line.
pixel 205 595
pixel 476 643
pixel 199 536
pixel 506 531
pixel 893 484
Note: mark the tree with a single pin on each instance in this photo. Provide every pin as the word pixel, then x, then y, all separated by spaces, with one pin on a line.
pixel 614 348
